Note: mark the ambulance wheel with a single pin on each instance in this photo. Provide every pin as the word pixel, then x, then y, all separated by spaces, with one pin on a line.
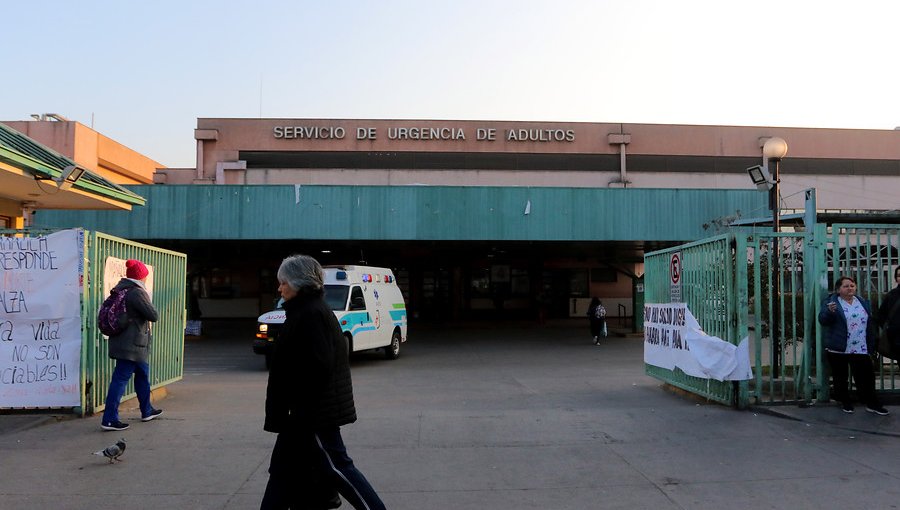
pixel 268 361
pixel 392 351
pixel 349 344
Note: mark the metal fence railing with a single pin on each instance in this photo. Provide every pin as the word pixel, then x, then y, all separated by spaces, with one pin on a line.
pixel 781 318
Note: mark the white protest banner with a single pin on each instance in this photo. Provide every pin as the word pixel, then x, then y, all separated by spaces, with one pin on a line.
pixel 674 338
pixel 40 329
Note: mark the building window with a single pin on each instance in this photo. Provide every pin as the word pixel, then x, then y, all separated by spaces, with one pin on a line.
pixel 578 283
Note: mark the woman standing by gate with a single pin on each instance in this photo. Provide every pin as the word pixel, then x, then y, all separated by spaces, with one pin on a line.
pixel 850 337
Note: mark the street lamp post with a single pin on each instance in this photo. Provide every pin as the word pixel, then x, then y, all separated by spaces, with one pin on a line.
pixel 774 149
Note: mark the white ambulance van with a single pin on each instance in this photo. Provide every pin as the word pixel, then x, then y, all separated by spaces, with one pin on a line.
pixel 368 305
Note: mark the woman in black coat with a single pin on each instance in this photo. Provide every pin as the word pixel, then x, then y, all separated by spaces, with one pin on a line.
pixel 308 398
pixel 889 313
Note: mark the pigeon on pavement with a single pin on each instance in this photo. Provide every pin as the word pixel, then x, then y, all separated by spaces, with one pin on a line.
pixel 113 452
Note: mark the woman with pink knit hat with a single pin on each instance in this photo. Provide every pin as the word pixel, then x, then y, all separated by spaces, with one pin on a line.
pixel 131 348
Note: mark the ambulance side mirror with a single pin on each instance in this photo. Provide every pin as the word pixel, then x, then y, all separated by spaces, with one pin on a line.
pixel 358 303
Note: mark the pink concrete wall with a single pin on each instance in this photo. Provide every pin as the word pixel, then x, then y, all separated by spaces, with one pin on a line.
pixel 90 149
pixel 834 191
pixel 589 138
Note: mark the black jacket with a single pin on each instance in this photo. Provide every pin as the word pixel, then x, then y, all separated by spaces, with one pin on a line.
pixel 309 378
pixel 892 322
pixel 134 342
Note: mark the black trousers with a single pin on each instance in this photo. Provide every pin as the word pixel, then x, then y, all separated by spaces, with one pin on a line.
pixel 597 326
pixel 860 365
pixel 350 482
pixel 299 479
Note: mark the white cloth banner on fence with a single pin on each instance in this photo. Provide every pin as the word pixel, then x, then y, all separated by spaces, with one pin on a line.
pixel 40 329
pixel 674 338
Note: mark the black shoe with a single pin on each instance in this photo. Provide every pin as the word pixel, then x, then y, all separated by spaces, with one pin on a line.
pixel 879 410
pixel 114 425
pixel 847 408
pixel 153 414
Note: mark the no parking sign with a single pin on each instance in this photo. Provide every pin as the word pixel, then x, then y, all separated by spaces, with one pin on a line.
pixel 675 273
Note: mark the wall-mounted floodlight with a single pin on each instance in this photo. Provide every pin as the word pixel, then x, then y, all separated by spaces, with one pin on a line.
pixel 69 176
pixel 761 177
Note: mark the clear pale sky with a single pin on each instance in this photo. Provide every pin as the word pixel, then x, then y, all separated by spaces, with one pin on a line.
pixel 142 73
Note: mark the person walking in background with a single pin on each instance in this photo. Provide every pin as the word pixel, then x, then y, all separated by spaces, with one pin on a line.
pixel 308 398
pixel 131 348
pixel 850 338
pixel 597 316
pixel 889 314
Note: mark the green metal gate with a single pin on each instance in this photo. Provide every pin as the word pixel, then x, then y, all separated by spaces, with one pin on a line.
pixel 869 253
pixel 780 317
pixel 768 287
pixel 170 280
pixel 707 284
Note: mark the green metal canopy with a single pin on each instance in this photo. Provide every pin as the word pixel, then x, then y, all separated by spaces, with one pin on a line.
pixel 40 164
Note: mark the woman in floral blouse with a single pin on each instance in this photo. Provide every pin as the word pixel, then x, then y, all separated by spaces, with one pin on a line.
pixel 851 335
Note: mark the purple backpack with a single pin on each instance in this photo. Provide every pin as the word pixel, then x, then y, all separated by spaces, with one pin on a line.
pixel 111 311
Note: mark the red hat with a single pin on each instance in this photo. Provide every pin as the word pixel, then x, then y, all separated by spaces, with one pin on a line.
pixel 135 269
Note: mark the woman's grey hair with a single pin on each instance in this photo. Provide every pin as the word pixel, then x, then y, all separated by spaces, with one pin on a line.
pixel 302 273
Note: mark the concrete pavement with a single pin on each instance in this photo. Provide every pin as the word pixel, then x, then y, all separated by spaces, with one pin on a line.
pixel 518 417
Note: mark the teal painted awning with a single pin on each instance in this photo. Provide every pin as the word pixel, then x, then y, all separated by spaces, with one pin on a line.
pixel 417 213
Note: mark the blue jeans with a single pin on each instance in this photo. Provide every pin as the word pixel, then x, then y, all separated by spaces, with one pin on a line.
pixel 350 482
pixel 120 377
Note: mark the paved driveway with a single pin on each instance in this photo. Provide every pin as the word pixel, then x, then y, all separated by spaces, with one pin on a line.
pixel 506 418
